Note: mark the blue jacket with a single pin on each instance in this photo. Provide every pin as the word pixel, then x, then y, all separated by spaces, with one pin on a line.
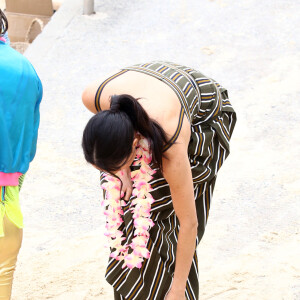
pixel 20 96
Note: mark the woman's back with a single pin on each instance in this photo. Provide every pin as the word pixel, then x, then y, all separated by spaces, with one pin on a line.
pixel 157 98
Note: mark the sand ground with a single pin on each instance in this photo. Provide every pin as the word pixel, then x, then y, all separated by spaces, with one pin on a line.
pixel 251 246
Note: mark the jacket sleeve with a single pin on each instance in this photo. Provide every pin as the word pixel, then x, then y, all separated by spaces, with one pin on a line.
pixel 36 121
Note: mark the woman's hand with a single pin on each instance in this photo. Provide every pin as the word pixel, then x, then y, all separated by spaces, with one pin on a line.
pixel 175 295
pixel 125 176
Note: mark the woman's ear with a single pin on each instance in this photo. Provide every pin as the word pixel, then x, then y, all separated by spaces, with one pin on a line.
pixel 137 137
pixel 135 142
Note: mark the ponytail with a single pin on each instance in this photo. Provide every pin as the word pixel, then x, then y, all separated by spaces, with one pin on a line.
pixel 3 23
pixel 108 136
pixel 141 122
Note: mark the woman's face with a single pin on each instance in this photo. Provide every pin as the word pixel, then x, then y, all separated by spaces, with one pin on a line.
pixel 132 156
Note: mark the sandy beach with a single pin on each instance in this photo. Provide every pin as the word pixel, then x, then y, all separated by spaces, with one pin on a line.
pixel 251 246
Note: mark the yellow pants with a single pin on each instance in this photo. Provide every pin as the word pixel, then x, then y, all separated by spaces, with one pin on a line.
pixel 11 233
pixel 10 245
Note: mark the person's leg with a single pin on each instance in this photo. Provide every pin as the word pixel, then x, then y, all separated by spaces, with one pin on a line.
pixel 10 245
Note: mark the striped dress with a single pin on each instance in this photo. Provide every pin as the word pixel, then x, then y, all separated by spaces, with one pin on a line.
pixel 206 105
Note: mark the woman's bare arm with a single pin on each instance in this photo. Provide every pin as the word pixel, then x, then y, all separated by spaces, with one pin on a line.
pixel 177 171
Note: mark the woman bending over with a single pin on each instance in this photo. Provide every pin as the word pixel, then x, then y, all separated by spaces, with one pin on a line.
pixel 159 135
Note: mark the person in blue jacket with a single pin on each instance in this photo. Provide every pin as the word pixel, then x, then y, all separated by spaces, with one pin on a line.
pixel 20 96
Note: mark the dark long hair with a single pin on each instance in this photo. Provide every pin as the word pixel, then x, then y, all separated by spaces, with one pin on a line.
pixel 108 136
pixel 3 23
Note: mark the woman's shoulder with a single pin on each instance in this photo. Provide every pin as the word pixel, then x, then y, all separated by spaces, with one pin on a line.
pixel 90 92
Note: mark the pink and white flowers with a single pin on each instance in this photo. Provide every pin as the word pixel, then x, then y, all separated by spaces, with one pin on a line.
pixel 134 253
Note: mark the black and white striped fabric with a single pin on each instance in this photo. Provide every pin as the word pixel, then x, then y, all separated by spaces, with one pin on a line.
pixel 206 105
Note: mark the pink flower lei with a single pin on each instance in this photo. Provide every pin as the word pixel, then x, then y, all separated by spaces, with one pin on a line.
pixel 134 253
